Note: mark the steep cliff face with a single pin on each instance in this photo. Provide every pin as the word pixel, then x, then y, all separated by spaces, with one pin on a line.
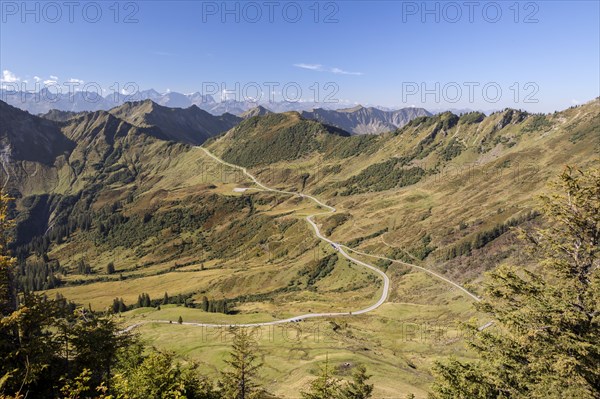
pixel 361 120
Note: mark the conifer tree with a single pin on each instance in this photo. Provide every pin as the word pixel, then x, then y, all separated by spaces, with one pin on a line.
pixel 323 387
pixel 110 268
pixel 546 343
pixel 122 306
pixel 116 305
pixel 358 388
pixel 239 380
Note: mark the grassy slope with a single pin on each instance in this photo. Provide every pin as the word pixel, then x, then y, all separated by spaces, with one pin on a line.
pixel 502 164
pixel 398 342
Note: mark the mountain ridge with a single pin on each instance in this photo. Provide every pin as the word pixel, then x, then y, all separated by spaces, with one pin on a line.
pixel 190 125
pixel 28 137
pixel 362 120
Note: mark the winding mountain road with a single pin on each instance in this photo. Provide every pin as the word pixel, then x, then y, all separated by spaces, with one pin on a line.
pixel 342 249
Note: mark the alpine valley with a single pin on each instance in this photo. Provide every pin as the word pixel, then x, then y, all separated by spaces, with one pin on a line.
pixel 163 209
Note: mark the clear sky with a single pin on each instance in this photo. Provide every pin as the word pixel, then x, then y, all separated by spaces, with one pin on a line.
pixel 388 53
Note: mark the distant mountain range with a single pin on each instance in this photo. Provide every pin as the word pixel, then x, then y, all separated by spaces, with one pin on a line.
pixel 357 120
pixel 46 100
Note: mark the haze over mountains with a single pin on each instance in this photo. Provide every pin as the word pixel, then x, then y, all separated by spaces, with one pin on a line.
pixel 357 120
pixel 46 99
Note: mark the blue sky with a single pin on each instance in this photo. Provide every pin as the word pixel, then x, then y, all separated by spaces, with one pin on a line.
pixel 373 53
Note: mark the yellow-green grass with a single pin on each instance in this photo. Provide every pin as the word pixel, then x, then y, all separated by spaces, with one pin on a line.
pixel 352 286
pixel 101 294
pixel 398 342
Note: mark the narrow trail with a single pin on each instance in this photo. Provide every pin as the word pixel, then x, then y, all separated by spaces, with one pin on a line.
pixel 342 249
pixel 430 272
